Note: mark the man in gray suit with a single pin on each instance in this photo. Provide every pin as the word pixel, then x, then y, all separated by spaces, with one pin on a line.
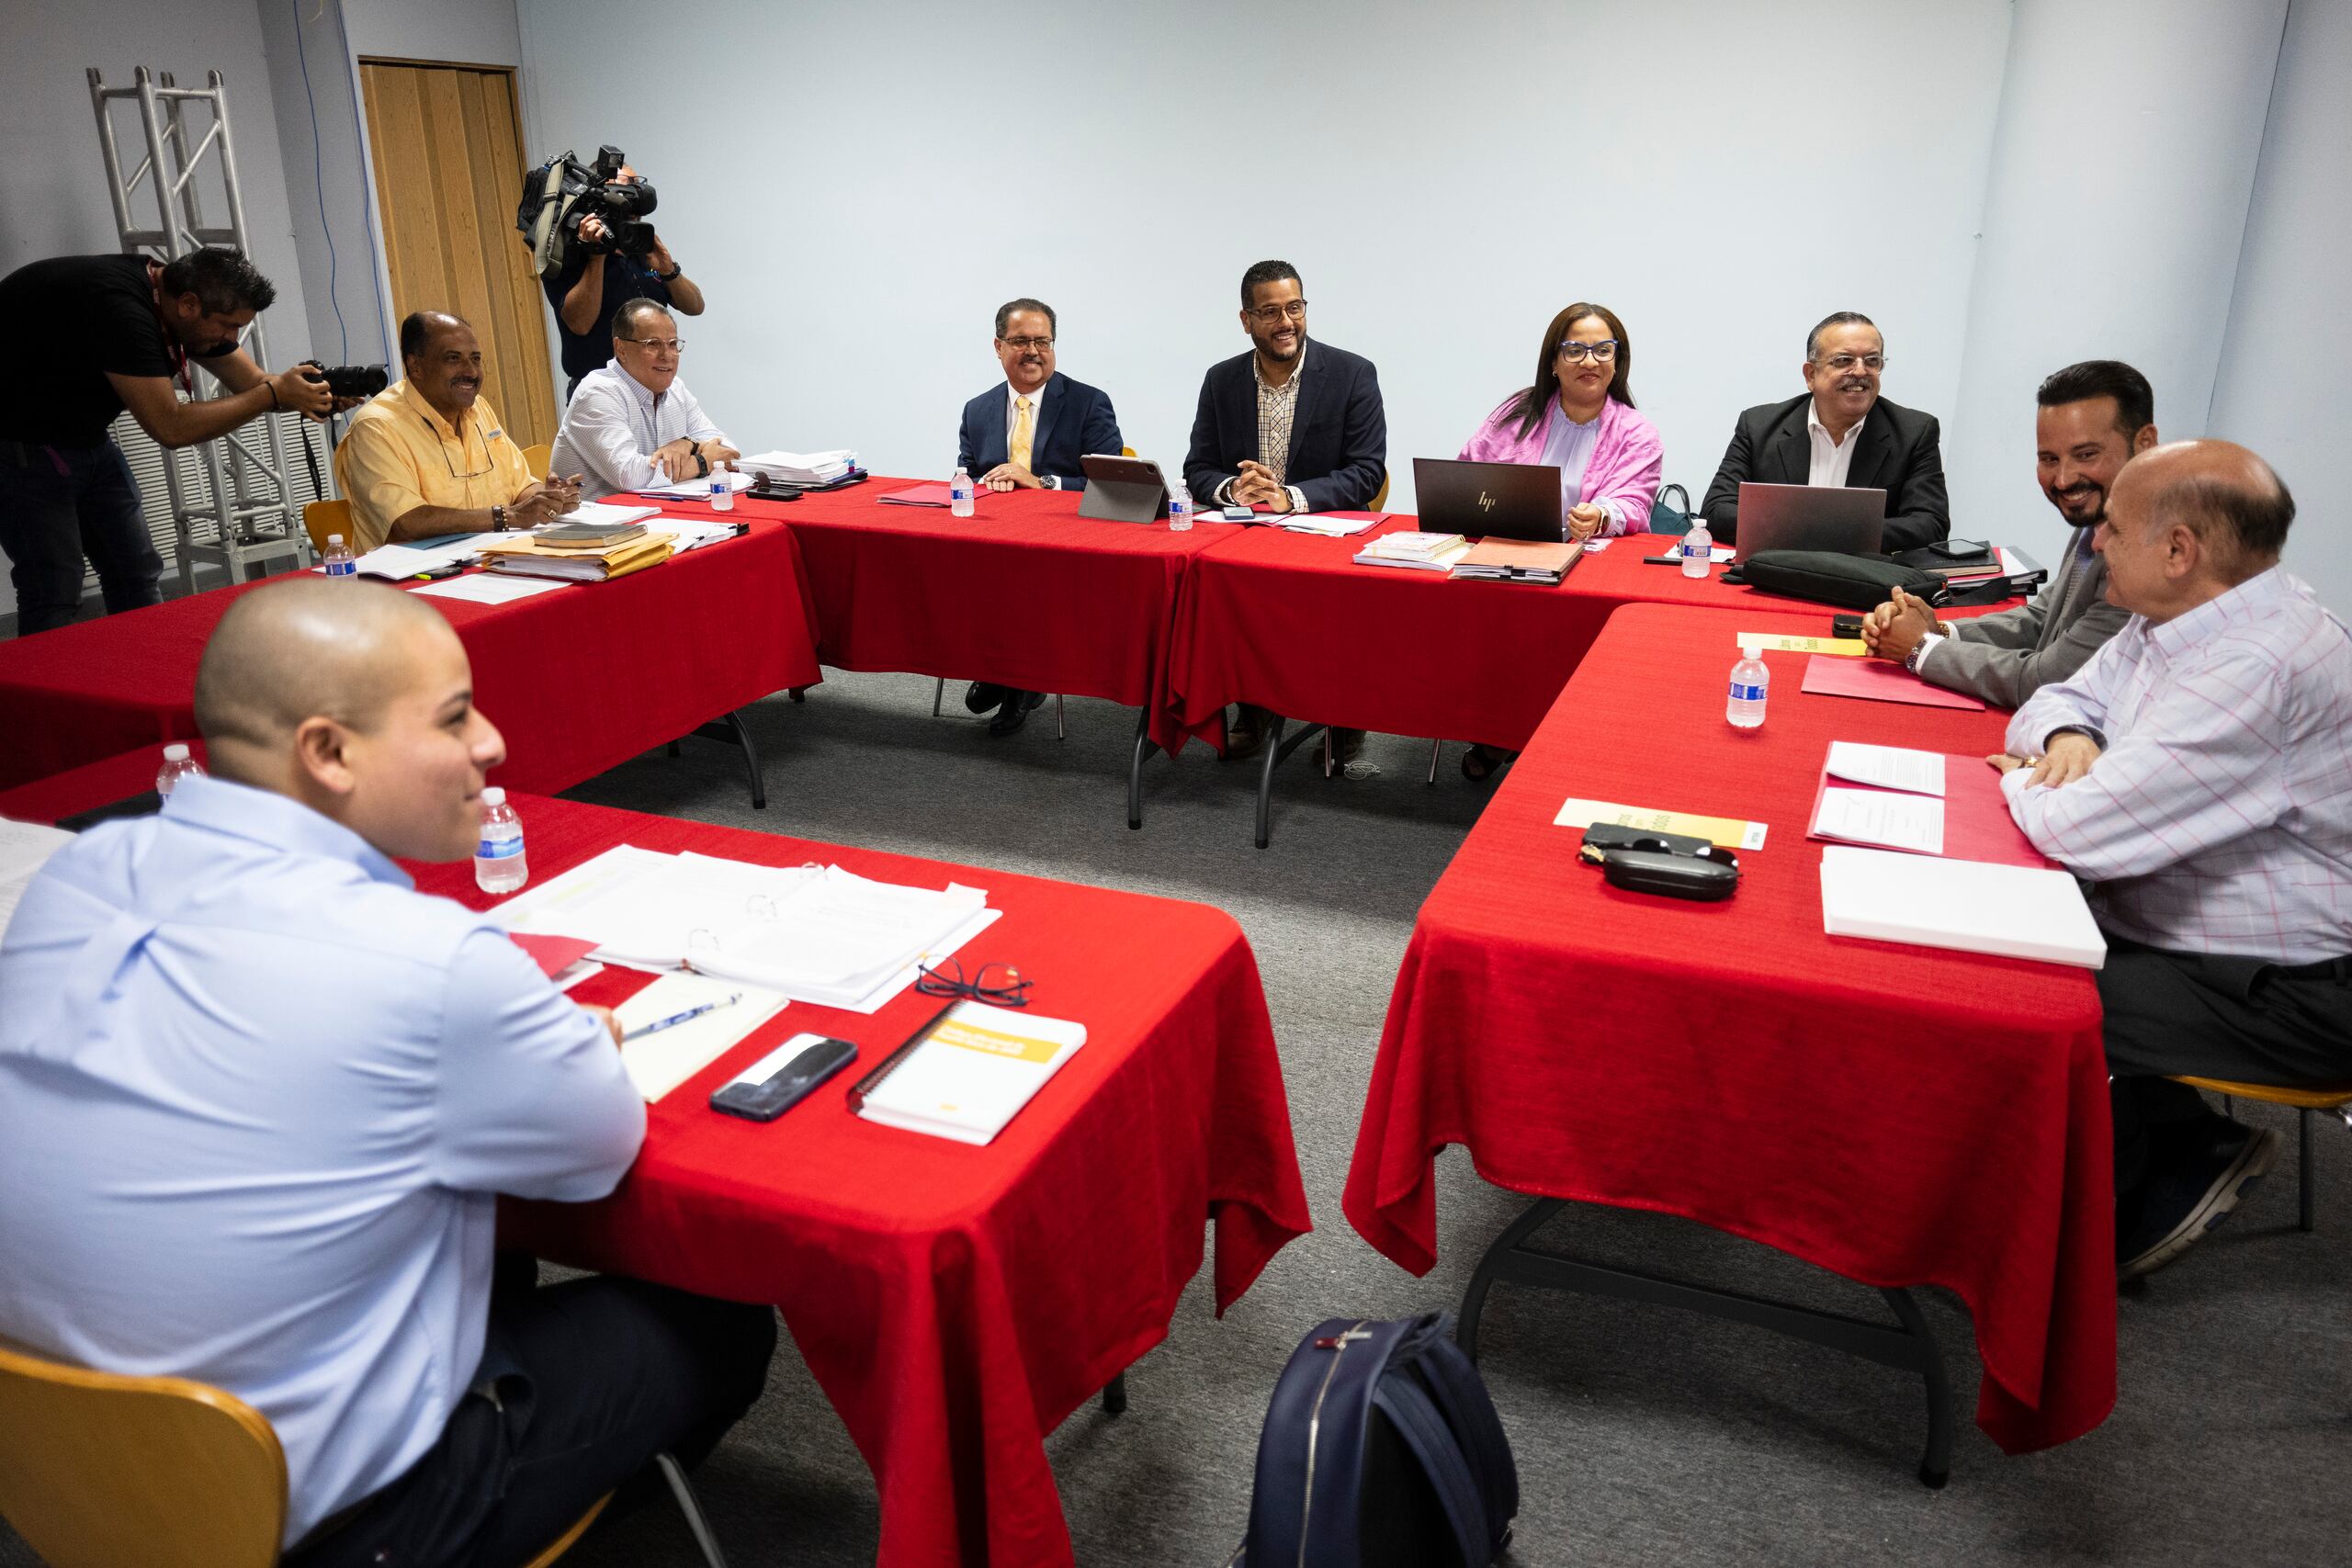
pixel 2093 417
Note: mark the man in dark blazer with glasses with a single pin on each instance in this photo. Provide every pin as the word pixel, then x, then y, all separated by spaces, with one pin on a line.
pixel 1840 432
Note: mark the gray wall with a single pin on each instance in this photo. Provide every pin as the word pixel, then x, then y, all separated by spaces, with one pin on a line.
pixel 2288 341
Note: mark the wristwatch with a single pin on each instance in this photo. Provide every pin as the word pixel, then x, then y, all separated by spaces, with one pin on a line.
pixel 1051 481
pixel 671 275
pixel 498 520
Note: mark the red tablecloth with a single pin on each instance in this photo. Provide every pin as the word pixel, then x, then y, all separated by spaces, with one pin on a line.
pixel 1900 1115
pixel 1025 591
pixel 1290 622
pixel 957 1303
pixel 579 679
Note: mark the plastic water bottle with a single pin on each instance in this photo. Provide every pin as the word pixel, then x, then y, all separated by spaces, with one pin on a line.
pixel 338 560
pixel 1750 680
pixel 1697 552
pixel 498 858
pixel 177 765
pixel 1179 508
pixel 722 498
pixel 959 493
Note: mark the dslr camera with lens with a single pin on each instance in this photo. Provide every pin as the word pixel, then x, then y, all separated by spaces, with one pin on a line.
pixel 361 381
pixel 563 193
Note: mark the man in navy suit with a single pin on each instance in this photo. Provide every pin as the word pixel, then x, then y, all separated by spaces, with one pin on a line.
pixel 1288 427
pixel 1028 433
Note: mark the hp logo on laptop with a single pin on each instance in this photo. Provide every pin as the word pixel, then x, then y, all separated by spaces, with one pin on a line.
pixel 1485 501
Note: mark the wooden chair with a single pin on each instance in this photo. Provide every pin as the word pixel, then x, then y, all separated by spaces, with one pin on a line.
pixel 2336 1098
pixel 536 460
pixel 97 1468
pixel 1381 499
pixel 321 518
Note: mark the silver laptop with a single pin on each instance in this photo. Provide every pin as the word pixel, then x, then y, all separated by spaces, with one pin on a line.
pixel 1489 501
pixel 1810 517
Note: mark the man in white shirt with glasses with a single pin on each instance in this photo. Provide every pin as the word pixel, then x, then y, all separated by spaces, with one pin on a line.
pixel 633 425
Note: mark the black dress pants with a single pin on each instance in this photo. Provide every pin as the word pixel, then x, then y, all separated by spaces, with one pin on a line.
pixel 581 1384
pixel 2211 1015
pixel 59 505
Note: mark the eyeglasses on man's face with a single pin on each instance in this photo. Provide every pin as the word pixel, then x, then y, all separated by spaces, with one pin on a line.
pixel 1024 345
pixel 1295 309
pixel 1600 353
pixel 1838 364
pixel 655 344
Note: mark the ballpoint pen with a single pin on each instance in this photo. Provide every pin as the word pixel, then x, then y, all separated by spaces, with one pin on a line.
pixel 658 1025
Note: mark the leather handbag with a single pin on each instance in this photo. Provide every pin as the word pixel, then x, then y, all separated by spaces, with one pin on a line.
pixel 1665 519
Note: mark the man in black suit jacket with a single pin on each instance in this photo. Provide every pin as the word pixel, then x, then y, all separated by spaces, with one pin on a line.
pixel 1028 433
pixel 1841 433
pixel 1286 427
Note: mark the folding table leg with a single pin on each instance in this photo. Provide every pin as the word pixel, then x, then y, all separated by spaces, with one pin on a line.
pixel 1435 746
pixel 1145 746
pixel 1059 732
pixel 728 727
pixel 1115 1395
pixel 691 1505
pixel 1277 750
pixel 1908 1345
pixel 938 691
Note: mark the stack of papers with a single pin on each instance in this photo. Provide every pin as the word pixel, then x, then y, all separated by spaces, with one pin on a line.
pixel 24 848
pixel 814 933
pixel 1419 552
pixel 487 588
pixel 921 495
pixel 697 490
pixel 393 562
pixel 599 514
pixel 1968 905
pixel 971 1073
pixel 800 467
pixel 1922 802
pixel 1519 560
pixel 525 557
pixel 1330 525
pixel 687 533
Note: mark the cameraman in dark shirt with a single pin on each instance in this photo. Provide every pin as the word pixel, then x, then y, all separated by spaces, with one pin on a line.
pixel 101 335
pixel 597 279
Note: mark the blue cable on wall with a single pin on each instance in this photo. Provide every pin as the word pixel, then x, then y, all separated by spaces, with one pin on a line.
pixel 318 170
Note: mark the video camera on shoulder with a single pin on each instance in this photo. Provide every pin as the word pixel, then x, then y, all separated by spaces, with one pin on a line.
pixel 563 193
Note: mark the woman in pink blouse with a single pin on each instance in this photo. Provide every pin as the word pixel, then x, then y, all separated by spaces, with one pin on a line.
pixel 1577 417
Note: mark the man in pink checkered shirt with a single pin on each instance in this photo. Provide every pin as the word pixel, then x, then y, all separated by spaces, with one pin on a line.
pixel 2198 771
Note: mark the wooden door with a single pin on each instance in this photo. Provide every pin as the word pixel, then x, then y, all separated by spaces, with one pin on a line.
pixel 450 170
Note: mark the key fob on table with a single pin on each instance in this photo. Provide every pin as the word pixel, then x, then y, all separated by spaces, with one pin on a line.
pixel 1846 627
pixel 784 1078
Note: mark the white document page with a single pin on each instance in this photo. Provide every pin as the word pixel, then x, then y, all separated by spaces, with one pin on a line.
pixel 24 848
pixel 699 490
pixel 660 1062
pixel 487 588
pixel 396 562
pixel 1328 526
pixel 1913 822
pixel 842 934
pixel 1889 767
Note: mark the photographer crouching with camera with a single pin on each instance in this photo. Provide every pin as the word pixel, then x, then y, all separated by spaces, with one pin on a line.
pixel 100 334
pixel 596 252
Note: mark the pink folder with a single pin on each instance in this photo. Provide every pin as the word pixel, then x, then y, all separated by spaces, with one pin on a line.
pixel 1832 675
pixel 553 954
pixel 919 495
pixel 1977 824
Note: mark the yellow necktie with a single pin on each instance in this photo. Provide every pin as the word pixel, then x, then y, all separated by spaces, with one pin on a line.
pixel 1024 432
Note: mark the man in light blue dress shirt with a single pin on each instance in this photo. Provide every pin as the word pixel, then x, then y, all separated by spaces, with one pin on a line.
pixel 257 1097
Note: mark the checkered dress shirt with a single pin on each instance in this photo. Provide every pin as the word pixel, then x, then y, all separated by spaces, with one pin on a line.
pixel 2219 818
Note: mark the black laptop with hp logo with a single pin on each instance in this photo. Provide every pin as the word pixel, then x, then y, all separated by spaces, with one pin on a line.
pixel 1489 501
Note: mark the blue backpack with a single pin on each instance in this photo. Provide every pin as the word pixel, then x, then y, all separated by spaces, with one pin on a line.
pixel 1381 1449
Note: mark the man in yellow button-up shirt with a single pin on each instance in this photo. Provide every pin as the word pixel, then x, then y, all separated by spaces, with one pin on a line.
pixel 426 455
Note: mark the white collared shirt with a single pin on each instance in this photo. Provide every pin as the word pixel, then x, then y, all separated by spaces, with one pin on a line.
pixel 1013 395
pixel 1832 460
pixel 615 424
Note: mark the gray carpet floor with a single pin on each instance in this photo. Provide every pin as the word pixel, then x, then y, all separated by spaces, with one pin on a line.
pixel 1643 1434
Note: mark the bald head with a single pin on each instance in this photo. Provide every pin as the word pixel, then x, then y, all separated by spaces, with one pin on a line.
pixel 355 700
pixel 2231 499
pixel 307 647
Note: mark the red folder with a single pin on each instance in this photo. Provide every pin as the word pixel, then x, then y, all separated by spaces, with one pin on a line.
pixel 1833 675
pixel 1977 824
pixel 553 954
pixel 921 495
